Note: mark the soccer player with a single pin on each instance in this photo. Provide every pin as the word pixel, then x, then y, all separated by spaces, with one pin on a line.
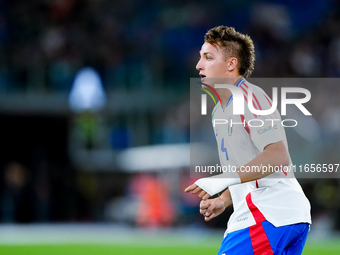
pixel 271 213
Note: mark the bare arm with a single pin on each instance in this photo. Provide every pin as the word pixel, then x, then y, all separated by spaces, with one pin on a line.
pixel 274 154
pixel 211 208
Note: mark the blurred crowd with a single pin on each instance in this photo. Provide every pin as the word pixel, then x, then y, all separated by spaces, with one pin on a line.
pixel 155 43
pixel 149 45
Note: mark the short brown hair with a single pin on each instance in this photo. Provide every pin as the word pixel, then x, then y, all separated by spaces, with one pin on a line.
pixel 236 45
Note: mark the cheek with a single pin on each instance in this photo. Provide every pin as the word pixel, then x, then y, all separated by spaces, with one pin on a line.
pixel 222 67
pixel 215 68
pixel 218 68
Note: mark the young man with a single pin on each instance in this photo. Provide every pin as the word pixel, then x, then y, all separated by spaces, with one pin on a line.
pixel 271 213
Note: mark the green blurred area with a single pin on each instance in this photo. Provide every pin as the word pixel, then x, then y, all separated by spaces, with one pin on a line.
pixel 210 247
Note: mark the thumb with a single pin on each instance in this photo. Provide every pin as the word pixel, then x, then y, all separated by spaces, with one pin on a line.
pixel 211 216
pixel 209 209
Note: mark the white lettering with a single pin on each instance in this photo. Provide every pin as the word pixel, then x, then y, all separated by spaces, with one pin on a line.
pixel 297 101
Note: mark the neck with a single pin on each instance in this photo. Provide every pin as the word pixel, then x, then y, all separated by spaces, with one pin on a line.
pixel 225 94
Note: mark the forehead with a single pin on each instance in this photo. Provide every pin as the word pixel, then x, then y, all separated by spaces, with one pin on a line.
pixel 209 48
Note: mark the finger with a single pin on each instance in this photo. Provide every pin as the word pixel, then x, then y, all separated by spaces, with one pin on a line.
pixel 209 217
pixel 196 190
pixel 206 196
pixel 210 210
pixel 202 211
pixel 204 204
pixel 202 194
pixel 190 188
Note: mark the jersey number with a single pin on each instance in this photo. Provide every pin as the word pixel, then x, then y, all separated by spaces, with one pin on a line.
pixel 224 149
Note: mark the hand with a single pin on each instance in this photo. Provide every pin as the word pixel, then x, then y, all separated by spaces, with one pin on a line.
pixel 211 208
pixel 195 189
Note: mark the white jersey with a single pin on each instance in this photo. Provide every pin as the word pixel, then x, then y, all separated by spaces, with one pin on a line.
pixel 279 197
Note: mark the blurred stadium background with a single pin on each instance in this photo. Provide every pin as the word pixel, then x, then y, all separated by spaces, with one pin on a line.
pixel 94 112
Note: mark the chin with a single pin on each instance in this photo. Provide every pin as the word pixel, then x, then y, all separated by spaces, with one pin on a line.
pixel 206 85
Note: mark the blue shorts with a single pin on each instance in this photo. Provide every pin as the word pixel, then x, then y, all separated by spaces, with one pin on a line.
pixel 264 238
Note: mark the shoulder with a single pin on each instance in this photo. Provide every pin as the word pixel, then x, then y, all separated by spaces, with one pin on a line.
pixel 259 96
pixel 246 85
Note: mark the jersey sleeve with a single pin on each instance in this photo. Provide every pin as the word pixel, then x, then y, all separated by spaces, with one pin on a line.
pixel 263 129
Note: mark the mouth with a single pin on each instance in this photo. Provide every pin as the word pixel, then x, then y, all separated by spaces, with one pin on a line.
pixel 202 76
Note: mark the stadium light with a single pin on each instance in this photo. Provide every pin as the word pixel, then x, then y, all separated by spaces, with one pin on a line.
pixel 87 93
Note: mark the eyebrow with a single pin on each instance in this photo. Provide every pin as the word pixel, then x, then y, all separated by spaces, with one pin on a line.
pixel 206 53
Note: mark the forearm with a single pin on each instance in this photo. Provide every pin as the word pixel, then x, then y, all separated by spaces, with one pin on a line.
pixel 273 155
pixel 226 198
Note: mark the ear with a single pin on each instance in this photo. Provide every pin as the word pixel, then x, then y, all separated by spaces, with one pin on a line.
pixel 232 64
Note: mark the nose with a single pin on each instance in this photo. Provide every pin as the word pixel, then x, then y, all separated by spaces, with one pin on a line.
pixel 199 66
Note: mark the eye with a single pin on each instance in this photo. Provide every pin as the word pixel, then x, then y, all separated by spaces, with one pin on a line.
pixel 208 58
